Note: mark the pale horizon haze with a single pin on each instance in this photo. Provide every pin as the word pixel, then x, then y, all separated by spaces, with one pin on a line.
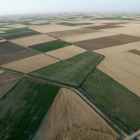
pixel 12 7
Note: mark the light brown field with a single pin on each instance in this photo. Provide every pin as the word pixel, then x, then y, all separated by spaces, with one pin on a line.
pixel 38 21
pixel 15 26
pixel 2 40
pixel 32 40
pixel 1 71
pixel 66 52
pixel 94 35
pixel 31 63
pixel 71 118
pixel 124 68
pixel 51 28
pixel 2 32
pixel 4 29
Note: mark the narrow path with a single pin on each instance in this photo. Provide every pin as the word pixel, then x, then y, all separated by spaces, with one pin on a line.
pixel 132 136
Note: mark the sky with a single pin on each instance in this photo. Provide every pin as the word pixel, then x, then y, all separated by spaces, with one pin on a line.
pixel 12 7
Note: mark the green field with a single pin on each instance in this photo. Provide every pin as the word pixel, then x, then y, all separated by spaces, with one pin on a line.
pixel 71 71
pixel 114 18
pixel 53 46
pixel 74 24
pixel 13 31
pixel 23 108
pixel 121 103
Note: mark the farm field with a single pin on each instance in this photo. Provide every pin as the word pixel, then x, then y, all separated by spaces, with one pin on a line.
pixel 71 32
pixel 31 63
pixel 10 52
pixel 114 98
pixel 72 71
pixel 7 81
pixel 109 41
pixel 76 120
pixel 54 46
pixel 14 31
pixel 66 52
pixel 32 40
pixel 23 111
pixel 19 35
pixel 73 24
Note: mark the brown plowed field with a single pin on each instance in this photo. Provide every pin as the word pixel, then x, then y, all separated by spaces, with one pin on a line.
pixel 137 52
pixel 31 63
pixel 104 42
pixel 19 35
pixel 7 81
pixel 72 118
pixel 108 26
pixel 71 32
pixel 10 52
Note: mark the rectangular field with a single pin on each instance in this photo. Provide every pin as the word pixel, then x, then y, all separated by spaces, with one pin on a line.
pixel 33 40
pixel 22 112
pixel 66 52
pixel 71 71
pixel 31 63
pixel 19 35
pixel 109 41
pixel 10 52
pixel 73 24
pixel 52 47
pixel 71 32
pixel 7 81
pixel 114 98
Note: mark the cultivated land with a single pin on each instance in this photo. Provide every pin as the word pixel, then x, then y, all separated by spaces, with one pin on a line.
pixel 10 52
pixel 66 52
pixel 22 112
pixel 7 81
pixel 27 110
pixel 14 31
pixel 53 46
pixel 18 35
pixel 115 99
pixel 104 42
pixel 71 32
pixel 75 120
pixel 32 40
pixel 31 63
pixel 72 71
pixel 73 24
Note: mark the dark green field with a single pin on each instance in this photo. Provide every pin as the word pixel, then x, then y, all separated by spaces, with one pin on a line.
pixel 23 108
pixel 13 31
pixel 71 71
pixel 53 46
pixel 74 24
pixel 121 103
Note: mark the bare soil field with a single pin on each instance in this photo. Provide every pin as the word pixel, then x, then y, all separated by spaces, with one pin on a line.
pixel 44 44
pixel 137 52
pixel 2 32
pixel 33 40
pixel 31 63
pixel 7 81
pixel 81 37
pixel 75 120
pixel 108 26
pixel 38 21
pixel 71 32
pixel 104 42
pixel 118 49
pixel 52 28
pixel 66 52
pixel 1 71
pixel 124 69
pixel 19 35
pixel 10 52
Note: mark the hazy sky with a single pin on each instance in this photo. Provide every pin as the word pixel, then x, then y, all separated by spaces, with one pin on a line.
pixel 51 6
